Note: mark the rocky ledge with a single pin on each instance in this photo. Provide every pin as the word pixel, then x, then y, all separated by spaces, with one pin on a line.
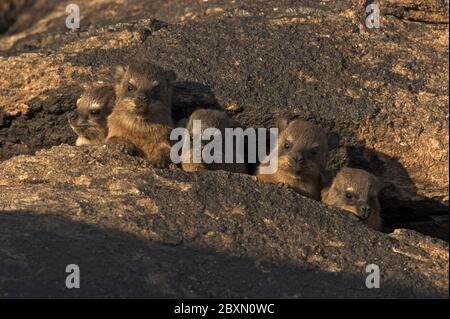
pixel 136 231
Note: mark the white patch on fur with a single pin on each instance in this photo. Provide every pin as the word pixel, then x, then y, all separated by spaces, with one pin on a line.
pixel 82 141
pixel 96 105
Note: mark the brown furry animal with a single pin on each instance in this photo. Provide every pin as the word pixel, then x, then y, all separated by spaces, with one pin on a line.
pixel 141 121
pixel 88 121
pixel 302 157
pixel 356 191
pixel 212 119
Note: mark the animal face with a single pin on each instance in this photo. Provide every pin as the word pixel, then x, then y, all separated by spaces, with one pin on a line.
pixel 356 191
pixel 88 121
pixel 302 148
pixel 143 89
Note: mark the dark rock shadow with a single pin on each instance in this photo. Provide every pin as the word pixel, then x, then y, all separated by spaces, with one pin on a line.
pixel 44 125
pixel 402 206
pixel 36 248
pixel 189 96
pixel 10 11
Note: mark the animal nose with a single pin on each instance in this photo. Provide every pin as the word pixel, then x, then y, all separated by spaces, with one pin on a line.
pixel 365 210
pixel 143 98
pixel 300 159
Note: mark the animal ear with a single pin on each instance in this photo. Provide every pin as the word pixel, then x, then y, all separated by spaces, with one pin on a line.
pixel 333 141
pixel 282 123
pixel 119 73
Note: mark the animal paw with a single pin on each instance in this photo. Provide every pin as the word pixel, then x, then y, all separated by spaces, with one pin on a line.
pixel 123 146
pixel 161 162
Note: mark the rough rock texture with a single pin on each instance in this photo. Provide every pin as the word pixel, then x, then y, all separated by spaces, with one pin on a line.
pixel 385 92
pixel 136 231
pixel 9 11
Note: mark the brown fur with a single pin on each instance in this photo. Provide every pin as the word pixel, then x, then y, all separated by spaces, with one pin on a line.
pixel 202 6
pixel 213 119
pixel 355 191
pixel 88 121
pixel 302 156
pixel 142 117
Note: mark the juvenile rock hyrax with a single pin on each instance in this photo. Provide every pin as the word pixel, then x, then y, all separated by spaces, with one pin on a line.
pixel 302 150
pixel 355 191
pixel 141 121
pixel 88 121
pixel 212 119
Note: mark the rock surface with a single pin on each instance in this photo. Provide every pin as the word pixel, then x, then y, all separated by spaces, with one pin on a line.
pixel 385 92
pixel 9 11
pixel 136 231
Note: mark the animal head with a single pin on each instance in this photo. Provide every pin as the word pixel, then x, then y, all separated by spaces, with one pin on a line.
pixel 302 147
pixel 143 89
pixel 356 191
pixel 88 121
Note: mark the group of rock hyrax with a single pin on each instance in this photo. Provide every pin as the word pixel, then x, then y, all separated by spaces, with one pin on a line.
pixel 135 115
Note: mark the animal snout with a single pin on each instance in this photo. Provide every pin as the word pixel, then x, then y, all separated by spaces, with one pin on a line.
pixel 78 120
pixel 364 211
pixel 142 100
pixel 300 159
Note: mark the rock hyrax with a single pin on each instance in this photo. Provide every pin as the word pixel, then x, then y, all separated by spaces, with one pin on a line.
pixel 302 149
pixel 212 119
pixel 355 191
pixel 141 121
pixel 88 121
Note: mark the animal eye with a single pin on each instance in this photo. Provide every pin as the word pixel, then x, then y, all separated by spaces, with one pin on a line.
pixel 95 112
pixel 130 88
pixel 287 146
pixel 348 195
pixel 314 151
